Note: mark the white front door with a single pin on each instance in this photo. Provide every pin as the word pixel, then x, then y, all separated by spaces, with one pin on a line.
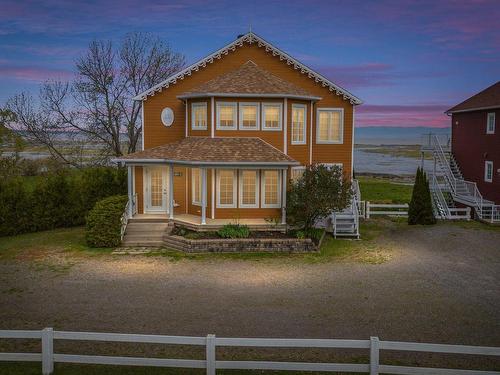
pixel 156 189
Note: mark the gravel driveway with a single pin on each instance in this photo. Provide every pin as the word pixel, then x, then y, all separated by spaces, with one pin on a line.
pixel 441 285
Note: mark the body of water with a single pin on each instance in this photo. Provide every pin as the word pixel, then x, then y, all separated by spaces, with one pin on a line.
pixel 371 162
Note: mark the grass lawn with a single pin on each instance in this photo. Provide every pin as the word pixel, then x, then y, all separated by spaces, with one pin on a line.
pixel 379 190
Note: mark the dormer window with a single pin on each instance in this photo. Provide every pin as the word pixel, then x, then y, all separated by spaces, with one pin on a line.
pixel 226 115
pixel 271 116
pixel 199 116
pixel 249 116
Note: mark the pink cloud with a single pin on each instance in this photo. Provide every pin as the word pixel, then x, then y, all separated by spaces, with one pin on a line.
pixel 402 115
pixel 33 74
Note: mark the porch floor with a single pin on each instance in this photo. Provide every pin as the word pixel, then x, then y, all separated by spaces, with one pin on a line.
pixel 194 222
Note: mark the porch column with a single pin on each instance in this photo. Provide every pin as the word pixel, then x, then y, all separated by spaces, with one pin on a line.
pixel 130 187
pixel 283 196
pixel 171 191
pixel 203 196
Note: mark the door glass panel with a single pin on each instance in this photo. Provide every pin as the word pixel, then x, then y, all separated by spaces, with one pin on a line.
pixel 156 188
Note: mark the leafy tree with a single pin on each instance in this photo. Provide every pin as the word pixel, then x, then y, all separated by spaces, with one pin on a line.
pixel 318 192
pixel 420 209
pixel 96 106
pixel 9 142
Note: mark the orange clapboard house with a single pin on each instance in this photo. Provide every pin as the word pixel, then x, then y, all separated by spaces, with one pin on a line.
pixel 222 138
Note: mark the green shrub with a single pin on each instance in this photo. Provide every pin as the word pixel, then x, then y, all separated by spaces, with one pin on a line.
pixel 420 209
pixel 15 207
pixel 104 222
pixel 313 233
pixel 234 231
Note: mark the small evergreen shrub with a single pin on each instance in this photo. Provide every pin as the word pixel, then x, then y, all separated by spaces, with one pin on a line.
pixel 104 222
pixel 420 208
pixel 234 231
pixel 313 233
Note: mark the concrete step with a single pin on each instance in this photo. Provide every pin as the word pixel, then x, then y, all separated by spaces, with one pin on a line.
pixel 149 220
pixel 144 243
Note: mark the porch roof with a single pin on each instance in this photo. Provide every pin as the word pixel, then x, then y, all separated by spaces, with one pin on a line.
pixel 244 151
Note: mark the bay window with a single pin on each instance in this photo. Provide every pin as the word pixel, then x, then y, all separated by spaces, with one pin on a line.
pixel 271 188
pixel 199 116
pixel 298 124
pixel 330 125
pixel 297 172
pixel 226 115
pixel 249 116
pixel 249 189
pixel 226 188
pixel 271 116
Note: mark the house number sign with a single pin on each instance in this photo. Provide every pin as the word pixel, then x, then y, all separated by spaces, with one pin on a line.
pixel 167 116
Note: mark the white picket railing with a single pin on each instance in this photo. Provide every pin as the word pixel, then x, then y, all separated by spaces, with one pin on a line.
pixel 129 211
pixel 211 364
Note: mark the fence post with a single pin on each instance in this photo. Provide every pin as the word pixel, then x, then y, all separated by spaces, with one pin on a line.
pixel 210 355
pixel 374 355
pixel 47 351
pixel 367 209
pixel 468 213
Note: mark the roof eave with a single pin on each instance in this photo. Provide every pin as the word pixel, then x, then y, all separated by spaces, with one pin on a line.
pixel 247 164
pixel 451 111
pixel 247 95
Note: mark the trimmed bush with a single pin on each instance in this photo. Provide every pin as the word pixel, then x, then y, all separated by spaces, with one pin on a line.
pixel 104 222
pixel 234 231
pixel 420 209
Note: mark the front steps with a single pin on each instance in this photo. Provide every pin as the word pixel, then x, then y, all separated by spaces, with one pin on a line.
pixel 143 232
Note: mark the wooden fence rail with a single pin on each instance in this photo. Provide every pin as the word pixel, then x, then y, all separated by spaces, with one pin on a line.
pixel 47 357
pixel 372 209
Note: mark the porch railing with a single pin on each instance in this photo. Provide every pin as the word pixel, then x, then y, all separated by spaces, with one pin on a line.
pixel 129 211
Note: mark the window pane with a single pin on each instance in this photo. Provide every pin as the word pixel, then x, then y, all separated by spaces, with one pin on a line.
pixel 298 124
pixel 196 181
pixel 271 187
pixel 248 187
pixel 249 116
pixel 156 188
pixel 226 187
pixel 200 116
pixel 329 126
pixel 272 116
pixel 226 115
pixel 297 173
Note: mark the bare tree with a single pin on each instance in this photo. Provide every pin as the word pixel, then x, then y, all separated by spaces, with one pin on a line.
pixel 96 107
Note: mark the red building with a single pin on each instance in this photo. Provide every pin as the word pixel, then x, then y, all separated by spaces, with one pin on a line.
pixel 475 140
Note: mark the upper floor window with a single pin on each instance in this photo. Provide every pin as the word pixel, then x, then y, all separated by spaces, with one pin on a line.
pixel 199 116
pixel 488 171
pixel 271 116
pixel 249 116
pixel 271 188
pixel 298 124
pixel 226 115
pixel 330 125
pixel 490 127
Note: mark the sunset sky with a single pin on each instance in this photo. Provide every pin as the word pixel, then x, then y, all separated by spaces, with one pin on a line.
pixel 407 60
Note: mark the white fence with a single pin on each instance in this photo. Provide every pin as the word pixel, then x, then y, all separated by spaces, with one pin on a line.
pixel 371 209
pixel 211 364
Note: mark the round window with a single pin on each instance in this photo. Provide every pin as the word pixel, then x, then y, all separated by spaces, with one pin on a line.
pixel 167 116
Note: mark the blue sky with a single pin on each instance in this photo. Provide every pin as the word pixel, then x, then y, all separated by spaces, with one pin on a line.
pixel 407 60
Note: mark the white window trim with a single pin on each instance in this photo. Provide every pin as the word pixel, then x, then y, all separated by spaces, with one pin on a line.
pixel 341 141
pixel 263 189
pixel 264 105
pixel 486 164
pixel 257 184
pixel 240 115
pixel 193 119
pixel 235 197
pixel 303 168
pixel 304 135
pixel 492 131
pixel 193 201
pixel 235 115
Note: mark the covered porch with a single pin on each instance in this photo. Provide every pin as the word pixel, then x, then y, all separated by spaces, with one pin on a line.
pixel 216 185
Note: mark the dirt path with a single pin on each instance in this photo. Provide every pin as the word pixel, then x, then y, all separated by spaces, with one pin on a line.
pixel 442 285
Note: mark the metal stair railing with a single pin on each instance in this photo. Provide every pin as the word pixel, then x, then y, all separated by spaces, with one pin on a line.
pixel 441 201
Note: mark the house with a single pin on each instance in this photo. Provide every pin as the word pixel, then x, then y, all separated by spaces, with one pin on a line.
pixel 475 140
pixel 222 138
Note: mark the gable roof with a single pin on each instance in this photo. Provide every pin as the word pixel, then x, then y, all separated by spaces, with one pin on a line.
pixel 488 98
pixel 214 151
pixel 248 79
pixel 250 38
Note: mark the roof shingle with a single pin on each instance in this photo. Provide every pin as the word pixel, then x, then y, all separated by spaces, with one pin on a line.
pixel 248 79
pixel 219 150
pixel 488 98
